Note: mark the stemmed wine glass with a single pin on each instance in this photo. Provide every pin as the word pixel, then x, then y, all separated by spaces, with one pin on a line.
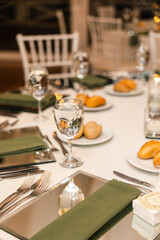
pixel 141 60
pixel 38 81
pixel 141 57
pixel 68 114
pixel 80 65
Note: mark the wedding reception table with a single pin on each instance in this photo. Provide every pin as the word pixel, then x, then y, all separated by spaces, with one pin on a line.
pixel 124 118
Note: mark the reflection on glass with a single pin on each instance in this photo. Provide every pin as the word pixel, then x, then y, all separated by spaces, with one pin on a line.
pixel 68 114
pixel 70 196
pixel 38 81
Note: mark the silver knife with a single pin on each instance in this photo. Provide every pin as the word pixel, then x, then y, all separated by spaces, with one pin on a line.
pixel 135 180
pixel 64 150
pixel 20 174
pixel 17 169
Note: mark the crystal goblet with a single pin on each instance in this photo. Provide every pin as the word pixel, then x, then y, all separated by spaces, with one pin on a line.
pixel 80 65
pixel 39 84
pixel 68 114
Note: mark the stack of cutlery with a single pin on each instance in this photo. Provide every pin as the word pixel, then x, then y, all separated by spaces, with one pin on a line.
pixel 19 171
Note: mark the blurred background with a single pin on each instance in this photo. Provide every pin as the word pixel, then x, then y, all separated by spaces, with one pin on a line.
pixel 32 17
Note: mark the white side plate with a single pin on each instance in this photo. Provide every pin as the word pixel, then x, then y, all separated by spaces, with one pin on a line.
pixel 105 136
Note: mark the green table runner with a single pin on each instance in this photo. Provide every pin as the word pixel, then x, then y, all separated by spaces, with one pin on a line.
pixel 91 81
pixel 19 145
pixel 20 100
pixel 91 218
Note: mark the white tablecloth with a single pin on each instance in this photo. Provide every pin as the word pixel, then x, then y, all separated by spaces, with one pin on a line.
pixel 125 118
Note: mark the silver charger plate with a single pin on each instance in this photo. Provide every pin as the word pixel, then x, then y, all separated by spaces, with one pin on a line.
pixel 30 218
pixel 25 159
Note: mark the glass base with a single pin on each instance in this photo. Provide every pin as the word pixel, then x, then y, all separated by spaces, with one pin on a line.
pixel 73 163
pixel 40 118
pixel 152 135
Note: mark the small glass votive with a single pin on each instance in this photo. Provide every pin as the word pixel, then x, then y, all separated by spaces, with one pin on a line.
pixel 151 124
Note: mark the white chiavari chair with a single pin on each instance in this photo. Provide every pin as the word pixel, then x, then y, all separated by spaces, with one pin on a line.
pixel 61 21
pixel 105 42
pixel 107 11
pixel 52 51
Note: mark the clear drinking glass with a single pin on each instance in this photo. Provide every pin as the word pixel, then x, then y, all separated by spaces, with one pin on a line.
pixel 38 81
pixel 68 114
pixel 151 124
pixel 141 57
pixel 80 65
pixel 70 196
pixel 152 112
pixel 141 61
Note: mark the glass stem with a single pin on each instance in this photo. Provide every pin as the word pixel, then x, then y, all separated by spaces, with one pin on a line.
pixel 39 110
pixel 70 156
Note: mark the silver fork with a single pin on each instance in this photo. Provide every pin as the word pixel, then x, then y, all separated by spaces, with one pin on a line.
pixel 24 189
pixel 41 188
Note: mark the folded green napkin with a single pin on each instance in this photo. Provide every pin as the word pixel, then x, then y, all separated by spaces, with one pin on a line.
pixel 91 81
pixel 20 100
pixel 19 145
pixel 92 217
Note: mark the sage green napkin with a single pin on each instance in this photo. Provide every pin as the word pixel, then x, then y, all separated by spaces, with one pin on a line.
pixel 92 217
pixel 91 81
pixel 20 100
pixel 19 145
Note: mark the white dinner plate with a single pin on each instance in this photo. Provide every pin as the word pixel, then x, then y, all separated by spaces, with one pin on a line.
pixel 100 108
pixel 105 136
pixel 109 90
pixel 146 165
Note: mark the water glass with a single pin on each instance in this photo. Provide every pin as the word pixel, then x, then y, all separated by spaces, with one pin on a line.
pixel 38 80
pixel 154 93
pixel 68 115
pixel 141 57
pixel 151 124
pixel 80 65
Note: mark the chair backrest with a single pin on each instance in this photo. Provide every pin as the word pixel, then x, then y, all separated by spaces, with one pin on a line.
pixel 61 21
pixel 105 41
pixel 154 39
pixel 107 11
pixel 98 26
pixel 50 51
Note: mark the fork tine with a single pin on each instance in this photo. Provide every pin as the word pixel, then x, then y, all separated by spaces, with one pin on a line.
pixel 44 182
pixel 30 181
pixel 42 177
pixel 44 185
pixel 27 181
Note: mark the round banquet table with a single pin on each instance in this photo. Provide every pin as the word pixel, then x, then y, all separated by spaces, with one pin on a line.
pixel 125 119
